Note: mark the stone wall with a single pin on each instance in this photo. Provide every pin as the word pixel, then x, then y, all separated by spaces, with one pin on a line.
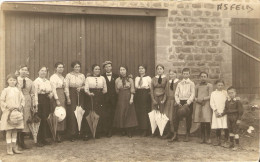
pixel 191 36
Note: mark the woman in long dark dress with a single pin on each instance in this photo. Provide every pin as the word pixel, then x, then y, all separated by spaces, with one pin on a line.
pixel 26 86
pixel 58 89
pixel 96 87
pixel 43 96
pixel 170 105
pixel 75 89
pixel 142 99
pixel 158 89
pixel 125 116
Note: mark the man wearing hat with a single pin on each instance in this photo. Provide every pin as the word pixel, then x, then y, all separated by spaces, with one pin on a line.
pixel 110 96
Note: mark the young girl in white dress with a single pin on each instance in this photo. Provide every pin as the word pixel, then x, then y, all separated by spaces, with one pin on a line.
pixel 11 98
pixel 217 102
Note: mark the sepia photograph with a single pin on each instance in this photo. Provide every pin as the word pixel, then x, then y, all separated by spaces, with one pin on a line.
pixel 129 80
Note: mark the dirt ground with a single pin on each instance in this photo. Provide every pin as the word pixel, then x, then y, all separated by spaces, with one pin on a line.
pixel 138 148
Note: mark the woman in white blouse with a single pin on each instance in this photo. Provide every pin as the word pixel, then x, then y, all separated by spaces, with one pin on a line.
pixel 58 89
pixel 95 88
pixel 142 99
pixel 74 88
pixel 43 95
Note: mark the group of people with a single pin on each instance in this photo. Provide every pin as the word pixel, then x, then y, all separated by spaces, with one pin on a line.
pixel 121 101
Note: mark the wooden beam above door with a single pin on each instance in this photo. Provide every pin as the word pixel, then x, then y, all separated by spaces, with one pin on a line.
pixel 82 10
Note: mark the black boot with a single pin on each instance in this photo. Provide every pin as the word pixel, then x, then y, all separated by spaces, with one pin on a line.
pixel 231 144
pixel 144 133
pixel 109 134
pixel 174 138
pixel 58 138
pixel 129 133
pixel 22 144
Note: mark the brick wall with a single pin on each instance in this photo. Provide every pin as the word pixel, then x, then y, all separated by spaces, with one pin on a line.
pixel 191 36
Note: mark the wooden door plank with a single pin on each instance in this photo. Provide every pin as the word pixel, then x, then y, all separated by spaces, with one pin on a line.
pixel 65 43
pixel 8 40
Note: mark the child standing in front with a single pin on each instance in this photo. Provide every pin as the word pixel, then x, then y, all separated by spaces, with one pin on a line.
pixel 219 122
pixel 234 111
pixel 184 95
pixel 203 112
pixel 11 98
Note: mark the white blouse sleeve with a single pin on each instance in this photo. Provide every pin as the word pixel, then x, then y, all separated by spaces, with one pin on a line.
pixel 67 84
pixel 136 82
pixel 212 102
pixel 53 86
pixel 104 85
pixel 86 87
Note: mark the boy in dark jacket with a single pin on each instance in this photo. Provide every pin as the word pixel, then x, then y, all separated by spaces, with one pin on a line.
pixel 234 111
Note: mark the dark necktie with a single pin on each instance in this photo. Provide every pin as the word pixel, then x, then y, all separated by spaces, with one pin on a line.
pixel 141 82
pixel 160 79
pixel 24 83
pixel 171 86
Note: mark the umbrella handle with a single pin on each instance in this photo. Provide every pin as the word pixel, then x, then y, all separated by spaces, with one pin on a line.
pixel 78 98
pixel 91 103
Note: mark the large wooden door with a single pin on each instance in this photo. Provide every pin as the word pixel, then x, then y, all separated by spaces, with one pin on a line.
pixel 43 39
pixel 245 69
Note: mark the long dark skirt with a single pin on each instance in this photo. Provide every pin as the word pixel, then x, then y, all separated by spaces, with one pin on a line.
pixel 125 116
pixel 61 96
pixel 43 113
pixel 142 100
pixel 98 107
pixel 72 125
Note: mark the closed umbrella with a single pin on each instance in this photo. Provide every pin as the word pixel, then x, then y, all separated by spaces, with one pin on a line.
pixel 161 120
pixel 53 123
pixel 92 120
pixel 152 120
pixel 79 112
pixel 34 124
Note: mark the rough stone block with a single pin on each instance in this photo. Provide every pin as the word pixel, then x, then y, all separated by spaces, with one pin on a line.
pixel 185 30
pixel 186 50
pixel 204 31
pixel 176 30
pixel 201 63
pixel 216 14
pixel 201 36
pixel 171 25
pixel 204 19
pixel 175 36
pixel 189 57
pixel 198 57
pixel 196 31
pixel 181 56
pixel 218 58
pixel 214 31
pixel 157 4
pixel 177 43
pixel 186 13
pixel 213 76
pixel 174 12
pixel 212 50
pixel 189 43
pixel 197 13
pixel 208 57
pixel 202 43
pixel 216 20
pixel 207 13
pixel 213 64
pixel 196 5
pixel 209 6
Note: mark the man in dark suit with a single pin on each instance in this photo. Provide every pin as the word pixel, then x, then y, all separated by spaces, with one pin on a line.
pixel 110 96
